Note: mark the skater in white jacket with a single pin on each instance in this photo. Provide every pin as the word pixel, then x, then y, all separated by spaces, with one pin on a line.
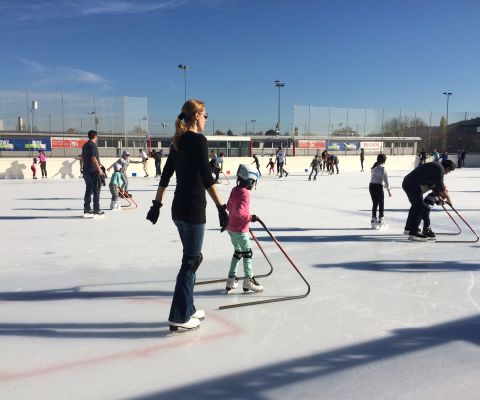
pixel 379 177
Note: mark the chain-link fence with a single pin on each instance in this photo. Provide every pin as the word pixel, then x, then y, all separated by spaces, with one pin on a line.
pixel 460 131
pixel 71 113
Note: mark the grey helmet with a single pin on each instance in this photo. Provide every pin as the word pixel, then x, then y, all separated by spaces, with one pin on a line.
pixel 247 175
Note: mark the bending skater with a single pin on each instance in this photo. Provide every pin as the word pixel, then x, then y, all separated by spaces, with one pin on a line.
pixel 188 159
pixel 379 176
pixel 238 207
pixel 425 177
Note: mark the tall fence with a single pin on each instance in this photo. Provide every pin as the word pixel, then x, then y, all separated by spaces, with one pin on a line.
pixel 57 114
pixel 460 131
pixel 71 113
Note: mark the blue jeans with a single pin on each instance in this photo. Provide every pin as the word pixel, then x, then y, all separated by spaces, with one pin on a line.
pixel 417 210
pixel 92 186
pixel 191 236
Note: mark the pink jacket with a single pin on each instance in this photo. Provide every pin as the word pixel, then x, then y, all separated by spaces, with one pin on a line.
pixel 41 157
pixel 238 207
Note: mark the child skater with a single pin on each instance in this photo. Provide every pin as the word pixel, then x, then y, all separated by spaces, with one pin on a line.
pixel 271 165
pixel 116 183
pixel 34 167
pixel 314 164
pixel 238 207
pixel 379 176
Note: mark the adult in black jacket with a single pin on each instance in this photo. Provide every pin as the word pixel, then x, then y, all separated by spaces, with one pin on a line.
pixel 188 158
pixel 92 174
pixel 425 177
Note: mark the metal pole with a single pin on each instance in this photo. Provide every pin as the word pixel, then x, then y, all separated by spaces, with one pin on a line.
pixel 95 113
pixel 383 144
pixel 448 94
pixel 430 133
pixel 185 81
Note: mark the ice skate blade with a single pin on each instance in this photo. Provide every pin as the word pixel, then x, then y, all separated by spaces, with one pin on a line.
pixel 178 329
pixel 417 239
pixel 248 291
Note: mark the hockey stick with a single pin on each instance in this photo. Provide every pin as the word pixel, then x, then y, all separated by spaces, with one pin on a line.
pixel 206 282
pixel 228 182
pixel 466 223
pixel 455 222
pixel 283 298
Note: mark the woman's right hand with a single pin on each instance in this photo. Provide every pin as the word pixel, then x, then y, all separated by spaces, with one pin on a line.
pixel 154 211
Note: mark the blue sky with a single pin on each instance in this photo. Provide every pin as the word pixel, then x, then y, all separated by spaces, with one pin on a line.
pixel 374 54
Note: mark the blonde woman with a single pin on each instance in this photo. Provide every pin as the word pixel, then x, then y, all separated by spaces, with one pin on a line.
pixel 188 158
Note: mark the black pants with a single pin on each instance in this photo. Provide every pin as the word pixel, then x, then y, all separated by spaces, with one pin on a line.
pixel 158 167
pixel 377 195
pixel 43 168
pixel 316 172
pixel 417 209
pixel 92 186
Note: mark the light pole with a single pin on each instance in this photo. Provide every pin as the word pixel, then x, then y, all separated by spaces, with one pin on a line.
pixel 185 69
pixel 253 123
pixel 279 85
pixel 448 94
pixel 149 139
pixel 34 107
pixel 93 114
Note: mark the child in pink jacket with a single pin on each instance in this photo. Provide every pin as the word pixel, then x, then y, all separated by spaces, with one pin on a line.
pixel 238 207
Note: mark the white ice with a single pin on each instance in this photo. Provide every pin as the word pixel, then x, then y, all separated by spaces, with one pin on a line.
pixel 84 303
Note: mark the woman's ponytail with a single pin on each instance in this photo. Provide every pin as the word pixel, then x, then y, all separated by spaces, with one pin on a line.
pixel 186 118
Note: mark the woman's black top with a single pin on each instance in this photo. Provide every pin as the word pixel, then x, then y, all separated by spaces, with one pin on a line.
pixel 193 172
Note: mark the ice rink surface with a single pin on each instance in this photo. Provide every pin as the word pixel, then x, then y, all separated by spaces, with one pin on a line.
pixel 84 303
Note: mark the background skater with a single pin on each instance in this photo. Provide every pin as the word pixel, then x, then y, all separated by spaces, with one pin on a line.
pixel 425 177
pixel 379 177
pixel 92 174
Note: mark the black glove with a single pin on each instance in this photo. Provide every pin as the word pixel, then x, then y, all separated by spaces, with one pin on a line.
pixel 222 216
pixel 254 218
pixel 154 211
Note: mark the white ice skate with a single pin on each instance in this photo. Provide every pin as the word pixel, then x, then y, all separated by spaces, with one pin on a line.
pixel 199 314
pixel 232 283
pixel 251 284
pixel 114 205
pixel 373 223
pixel 192 323
pixel 381 224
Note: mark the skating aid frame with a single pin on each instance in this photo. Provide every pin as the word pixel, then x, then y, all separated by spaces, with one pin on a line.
pixel 465 222
pixel 283 298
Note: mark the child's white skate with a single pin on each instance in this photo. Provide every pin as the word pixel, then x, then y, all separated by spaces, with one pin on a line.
pixel 373 223
pixel 381 224
pixel 232 283
pixel 251 284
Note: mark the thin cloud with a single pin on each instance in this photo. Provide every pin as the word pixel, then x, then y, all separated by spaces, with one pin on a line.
pixel 45 75
pixel 42 10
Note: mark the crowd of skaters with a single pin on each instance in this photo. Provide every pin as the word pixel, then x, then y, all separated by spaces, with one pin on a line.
pixel 197 172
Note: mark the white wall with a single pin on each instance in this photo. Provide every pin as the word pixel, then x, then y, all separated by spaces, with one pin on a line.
pixel 67 168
